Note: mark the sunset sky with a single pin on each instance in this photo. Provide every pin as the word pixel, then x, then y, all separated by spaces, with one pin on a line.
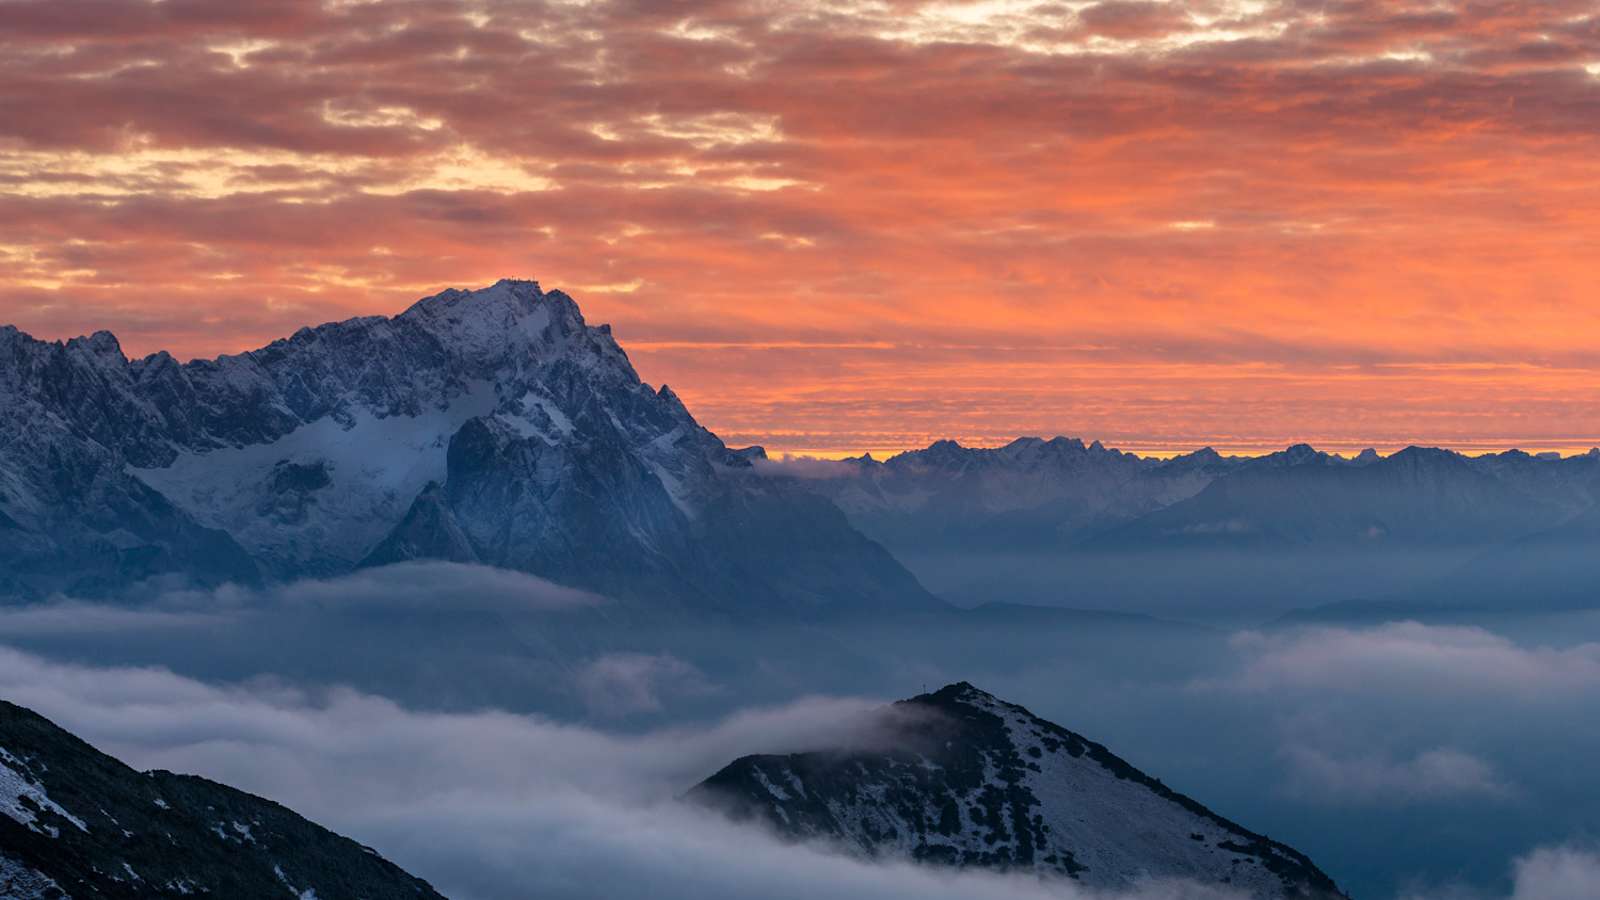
pixel 846 226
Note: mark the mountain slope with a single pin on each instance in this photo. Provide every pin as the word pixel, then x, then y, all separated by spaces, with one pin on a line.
pixel 1554 569
pixel 77 823
pixel 966 779
pixel 493 426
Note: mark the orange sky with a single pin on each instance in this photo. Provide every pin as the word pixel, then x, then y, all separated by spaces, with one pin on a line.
pixel 858 225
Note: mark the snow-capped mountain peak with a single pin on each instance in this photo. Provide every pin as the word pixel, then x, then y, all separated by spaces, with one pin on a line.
pixel 544 449
pixel 510 318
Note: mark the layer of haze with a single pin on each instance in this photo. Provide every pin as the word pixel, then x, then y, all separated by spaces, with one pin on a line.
pixel 489 728
pixel 858 224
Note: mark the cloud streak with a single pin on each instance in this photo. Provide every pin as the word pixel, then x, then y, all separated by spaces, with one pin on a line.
pixel 1438 774
pixel 1425 659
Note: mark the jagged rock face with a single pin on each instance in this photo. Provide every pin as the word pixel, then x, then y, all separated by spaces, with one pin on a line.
pixel 965 779
pixel 77 823
pixel 530 504
pixel 385 406
pixel 71 516
pixel 493 426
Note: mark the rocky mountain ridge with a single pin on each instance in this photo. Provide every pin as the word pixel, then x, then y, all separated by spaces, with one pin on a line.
pixel 967 780
pixel 490 426
pixel 1062 522
pixel 76 824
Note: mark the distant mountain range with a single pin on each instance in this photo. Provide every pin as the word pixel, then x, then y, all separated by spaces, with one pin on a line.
pixel 490 426
pixel 76 823
pixel 1059 521
pixel 961 778
pixel 1060 492
pixel 495 426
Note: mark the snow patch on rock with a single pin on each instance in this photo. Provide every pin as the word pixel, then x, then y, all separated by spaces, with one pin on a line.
pixel 22 798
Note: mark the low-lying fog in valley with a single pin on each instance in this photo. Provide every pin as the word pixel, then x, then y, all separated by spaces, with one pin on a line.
pixel 478 726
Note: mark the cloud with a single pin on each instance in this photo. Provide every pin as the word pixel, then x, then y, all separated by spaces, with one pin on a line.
pixel 619 684
pixel 807 467
pixel 72 617
pixel 1557 873
pixel 433 585
pixel 413 586
pixel 487 804
pixel 144 711
pixel 1425 168
pixel 1407 714
pixel 1418 658
pixel 1432 775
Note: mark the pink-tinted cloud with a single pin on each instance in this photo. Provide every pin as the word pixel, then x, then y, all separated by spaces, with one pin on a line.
pixel 845 226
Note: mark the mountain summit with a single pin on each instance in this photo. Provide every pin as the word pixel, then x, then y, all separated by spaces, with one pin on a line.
pixel 491 426
pixel 962 778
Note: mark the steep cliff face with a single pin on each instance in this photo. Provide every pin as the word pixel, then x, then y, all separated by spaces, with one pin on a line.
pixel 72 517
pixel 493 426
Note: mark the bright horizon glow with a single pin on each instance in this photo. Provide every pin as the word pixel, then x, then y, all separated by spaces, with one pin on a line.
pixel 1166 452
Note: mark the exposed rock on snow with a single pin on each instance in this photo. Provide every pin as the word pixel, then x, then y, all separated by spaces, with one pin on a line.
pixel 970 780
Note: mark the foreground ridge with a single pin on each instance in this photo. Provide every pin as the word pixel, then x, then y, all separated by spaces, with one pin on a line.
pixel 77 823
pixel 961 778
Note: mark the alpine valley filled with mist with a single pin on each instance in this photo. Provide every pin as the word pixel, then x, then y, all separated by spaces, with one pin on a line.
pixel 456 583
pixel 1114 450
